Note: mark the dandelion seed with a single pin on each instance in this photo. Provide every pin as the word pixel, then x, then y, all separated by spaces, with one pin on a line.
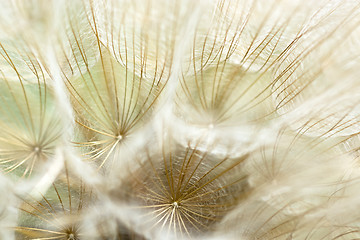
pixel 111 97
pixel 184 191
pixel 31 129
pixel 57 214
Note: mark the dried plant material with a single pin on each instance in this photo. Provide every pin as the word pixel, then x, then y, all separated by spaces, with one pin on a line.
pixel 31 128
pixel 57 214
pixel 179 119
pixel 221 96
pixel 111 97
pixel 110 103
pixel 184 191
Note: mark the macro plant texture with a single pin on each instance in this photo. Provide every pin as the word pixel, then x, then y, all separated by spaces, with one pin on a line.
pixel 179 119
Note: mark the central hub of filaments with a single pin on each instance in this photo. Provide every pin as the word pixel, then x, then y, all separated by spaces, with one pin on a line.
pixel 119 137
pixel 71 236
pixel 175 204
pixel 37 149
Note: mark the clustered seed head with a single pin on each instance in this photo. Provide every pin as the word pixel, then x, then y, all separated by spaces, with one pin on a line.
pixel 158 119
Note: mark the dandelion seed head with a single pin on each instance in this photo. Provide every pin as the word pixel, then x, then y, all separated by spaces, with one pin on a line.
pixel 225 119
